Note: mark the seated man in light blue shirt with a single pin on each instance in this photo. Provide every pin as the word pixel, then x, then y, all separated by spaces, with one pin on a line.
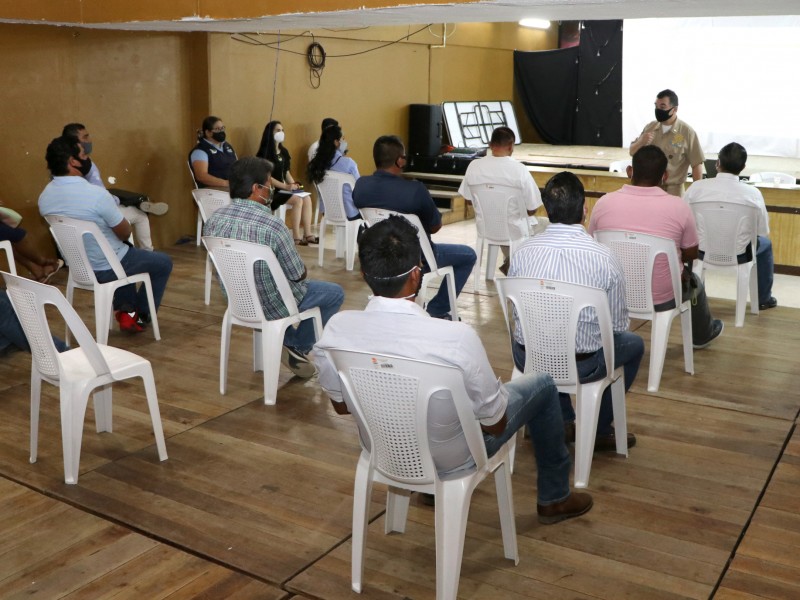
pixel 70 195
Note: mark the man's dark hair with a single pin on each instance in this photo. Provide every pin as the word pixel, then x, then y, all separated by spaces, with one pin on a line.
pixel 329 122
pixel 59 151
pixel 732 158
pixel 386 150
pixel 564 198
pixel 245 172
pixel 649 165
pixel 73 129
pixel 673 97
pixel 503 136
pixel 385 250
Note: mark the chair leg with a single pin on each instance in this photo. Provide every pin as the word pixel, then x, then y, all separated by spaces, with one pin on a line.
pixel 452 508
pixel 155 414
pixel 352 245
pixel 341 241
pixel 258 353
pixel 505 504
pixel 102 409
pixel 322 228
pixel 451 293
pixel 225 343
pixel 686 334
pixel 397 501
pixel 148 288
pixel 620 414
pixel 103 307
pixel 208 280
pixel 476 270
pixel 199 228
pixel 491 262
pixel 754 288
pixel 36 395
pixel 70 293
pixel 742 285
pixel 73 411
pixel 659 337
pixel 272 344
pixel 587 408
pixel 362 491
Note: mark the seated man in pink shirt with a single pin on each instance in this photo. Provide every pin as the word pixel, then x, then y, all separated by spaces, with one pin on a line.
pixel 644 207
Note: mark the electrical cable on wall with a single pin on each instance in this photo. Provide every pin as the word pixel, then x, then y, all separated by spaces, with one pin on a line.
pixel 316 62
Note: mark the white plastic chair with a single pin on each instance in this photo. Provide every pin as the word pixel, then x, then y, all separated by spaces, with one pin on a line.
pixel 619 166
pixel 208 201
pixel 5 246
pixel 199 216
pixel 548 313
pixel 77 372
pixel 69 236
pixel 330 191
pixel 719 225
pixel 373 215
pixel 235 261
pixel 492 204
pixel 392 405
pixel 771 176
pixel 637 253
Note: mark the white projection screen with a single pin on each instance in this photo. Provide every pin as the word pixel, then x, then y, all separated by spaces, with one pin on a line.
pixel 737 79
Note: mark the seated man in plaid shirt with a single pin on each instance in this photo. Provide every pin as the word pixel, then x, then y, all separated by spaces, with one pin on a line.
pixel 248 218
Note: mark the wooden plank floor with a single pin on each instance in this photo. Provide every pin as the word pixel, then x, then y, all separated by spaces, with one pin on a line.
pixel 255 500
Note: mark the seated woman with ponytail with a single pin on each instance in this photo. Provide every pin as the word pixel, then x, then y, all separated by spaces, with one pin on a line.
pixel 330 157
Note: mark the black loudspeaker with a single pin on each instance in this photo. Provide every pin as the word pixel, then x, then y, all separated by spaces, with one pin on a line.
pixel 424 129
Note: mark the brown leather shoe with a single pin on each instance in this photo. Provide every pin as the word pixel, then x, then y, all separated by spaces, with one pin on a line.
pixel 608 443
pixel 577 504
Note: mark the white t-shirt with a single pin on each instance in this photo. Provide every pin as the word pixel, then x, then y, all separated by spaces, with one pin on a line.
pixel 727 187
pixel 504 170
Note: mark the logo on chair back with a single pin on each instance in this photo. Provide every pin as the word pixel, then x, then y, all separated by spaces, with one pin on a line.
pixel 381 364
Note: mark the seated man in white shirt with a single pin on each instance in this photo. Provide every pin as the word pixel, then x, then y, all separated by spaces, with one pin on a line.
pixel 390 258
pixel 726 186
pixel 136 213
pixel 501 169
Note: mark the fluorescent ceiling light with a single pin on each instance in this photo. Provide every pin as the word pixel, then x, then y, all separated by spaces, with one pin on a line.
pixel 535 23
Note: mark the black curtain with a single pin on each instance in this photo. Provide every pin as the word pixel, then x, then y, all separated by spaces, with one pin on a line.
pixel 574 95
pixel 547 82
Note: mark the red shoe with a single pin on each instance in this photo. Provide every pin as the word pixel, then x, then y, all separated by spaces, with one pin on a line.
pixel 128 321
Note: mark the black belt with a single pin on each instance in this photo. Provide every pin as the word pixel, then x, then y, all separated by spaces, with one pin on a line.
pixel 579 356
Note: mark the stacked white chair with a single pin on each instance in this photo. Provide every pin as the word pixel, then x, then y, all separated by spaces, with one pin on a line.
pixel 392 405
pixel 720 224
pixel 374 215
pixel 77 372
pixel 330 190
pixel 235 261
pixel 5 246
pixel 492 204
pixel 548 313
pixel 208 201
pixel 637 252
pixel 69 235
pixel 772 177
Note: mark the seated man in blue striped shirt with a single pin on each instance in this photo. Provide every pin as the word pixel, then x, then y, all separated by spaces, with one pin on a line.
pixel 565 252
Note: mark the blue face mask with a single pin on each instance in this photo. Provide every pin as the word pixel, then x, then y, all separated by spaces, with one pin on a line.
pixel 87 147
pixel 343 146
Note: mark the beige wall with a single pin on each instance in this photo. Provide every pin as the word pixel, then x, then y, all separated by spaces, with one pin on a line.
pixel 142 95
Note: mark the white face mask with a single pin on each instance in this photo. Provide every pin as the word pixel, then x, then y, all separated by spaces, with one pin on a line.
pixel 343 146
pixel 279 137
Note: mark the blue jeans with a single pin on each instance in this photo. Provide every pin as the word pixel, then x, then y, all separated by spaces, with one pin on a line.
pixel 628 351
pixel 328 297
pixel 11 332
pixel 532 401
pixel 462 258
pixel 136 260
pixel 765 268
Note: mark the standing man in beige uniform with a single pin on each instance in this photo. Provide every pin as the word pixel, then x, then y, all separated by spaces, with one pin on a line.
pixel 678 141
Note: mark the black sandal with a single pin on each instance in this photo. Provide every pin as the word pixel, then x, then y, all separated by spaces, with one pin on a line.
pixel 311 239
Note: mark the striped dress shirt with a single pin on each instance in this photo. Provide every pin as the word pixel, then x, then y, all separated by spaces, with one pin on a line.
pixel 567 253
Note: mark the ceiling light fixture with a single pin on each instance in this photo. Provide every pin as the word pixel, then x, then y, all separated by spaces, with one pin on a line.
pixel 535 23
